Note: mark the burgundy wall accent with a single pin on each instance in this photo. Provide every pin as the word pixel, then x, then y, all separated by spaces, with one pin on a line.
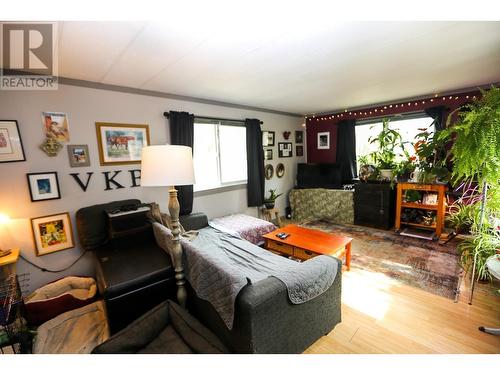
pixel 321 156
pixel 330 122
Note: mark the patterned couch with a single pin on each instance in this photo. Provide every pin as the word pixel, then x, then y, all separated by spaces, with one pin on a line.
pixel 333 205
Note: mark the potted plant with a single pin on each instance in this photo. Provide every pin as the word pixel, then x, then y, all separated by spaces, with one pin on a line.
pixel 476 156
pixel 405 168
pixel 269 201
pixel 430 149
pixel 385 157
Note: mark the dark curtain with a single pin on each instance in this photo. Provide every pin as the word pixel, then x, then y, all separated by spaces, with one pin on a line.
pixel 437 114
pixel 255 163
pixel 346 150
pixel 182 133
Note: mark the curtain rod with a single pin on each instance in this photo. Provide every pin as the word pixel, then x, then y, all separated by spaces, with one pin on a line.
pixel 167 115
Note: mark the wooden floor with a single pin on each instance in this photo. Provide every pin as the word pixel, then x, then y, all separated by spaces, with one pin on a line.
pixel 380 315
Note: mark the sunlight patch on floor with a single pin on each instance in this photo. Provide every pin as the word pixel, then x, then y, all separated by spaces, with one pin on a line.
pixel 368 295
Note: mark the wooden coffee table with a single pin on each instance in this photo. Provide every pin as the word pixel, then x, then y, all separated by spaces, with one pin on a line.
pixel 305 243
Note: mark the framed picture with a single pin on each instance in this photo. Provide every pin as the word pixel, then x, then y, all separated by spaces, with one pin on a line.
pixel 285 150
pixel 56 125
pixel 43 186
pixel 268 171
pixel 299 136
pixel 324 141
pixel 11 145
pixel 78 155
pixel 268 154
pixel 267 138
pixel 121 143
pixel 299 150
pixel 52 233
pixel 430 199
pixel 280 170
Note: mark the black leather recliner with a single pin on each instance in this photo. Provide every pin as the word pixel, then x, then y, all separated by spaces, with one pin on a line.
pixel 133 274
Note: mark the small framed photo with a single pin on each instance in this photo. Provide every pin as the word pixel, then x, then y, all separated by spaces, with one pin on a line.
pixel 56 125
pixel 52 233
pixel 324 141
pixel 268 171
pixel 285 150
pixel 11 145
pixel 121 143
pixel 268 154
pixel 78 155
pixel 267 138
pixel 299 150
pixel 43 186
pixel 299 136
pixel 430 199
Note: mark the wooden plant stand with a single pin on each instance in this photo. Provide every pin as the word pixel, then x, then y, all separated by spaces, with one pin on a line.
pixel 440 207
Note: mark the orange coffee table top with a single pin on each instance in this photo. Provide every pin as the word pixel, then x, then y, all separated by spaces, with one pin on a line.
pixel 310 239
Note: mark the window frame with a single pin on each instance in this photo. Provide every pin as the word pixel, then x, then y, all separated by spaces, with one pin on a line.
pixel 223 186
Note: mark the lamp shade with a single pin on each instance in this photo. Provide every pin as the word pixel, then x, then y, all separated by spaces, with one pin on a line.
pixel 167 165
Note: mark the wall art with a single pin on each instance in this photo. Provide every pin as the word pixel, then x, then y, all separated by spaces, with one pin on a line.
pixel 78 155
pixel 121 143
pixel 11 145
pixel 285 150
pixel 267 138
pixel 56 125
pixel 52 233
pixel 43 186
pixel 324 141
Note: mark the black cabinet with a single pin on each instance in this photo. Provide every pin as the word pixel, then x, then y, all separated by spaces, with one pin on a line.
pixel 374 205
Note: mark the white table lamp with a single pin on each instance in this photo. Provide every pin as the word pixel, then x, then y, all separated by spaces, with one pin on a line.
pixel 169 165
pixel 4 219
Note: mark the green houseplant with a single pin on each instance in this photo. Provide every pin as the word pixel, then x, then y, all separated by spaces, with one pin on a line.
pixel 270 201
pixel 388 140
pixel 431 155
pixel 476 156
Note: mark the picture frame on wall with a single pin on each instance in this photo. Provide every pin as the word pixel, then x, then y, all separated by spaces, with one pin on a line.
pixel 268 138
pixel 43 186
pixel 268 154
pixel 285 150
pixel 280 170
pixel 56 126
pixel 323 141
pixel 52 233
pixel 78 155
pixel 299 150
pixel 11 144
pixel 268 171
pixel 121 144
pixel 299 136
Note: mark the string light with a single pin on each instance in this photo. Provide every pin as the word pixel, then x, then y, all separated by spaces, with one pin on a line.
pixel 381 109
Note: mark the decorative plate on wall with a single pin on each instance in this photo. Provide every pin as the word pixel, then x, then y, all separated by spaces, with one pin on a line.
pixel 269 171
pixel 280 170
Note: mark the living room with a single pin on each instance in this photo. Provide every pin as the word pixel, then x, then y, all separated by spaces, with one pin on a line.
pixel 331 197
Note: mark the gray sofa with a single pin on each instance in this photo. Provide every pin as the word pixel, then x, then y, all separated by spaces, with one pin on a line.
pixel 265 320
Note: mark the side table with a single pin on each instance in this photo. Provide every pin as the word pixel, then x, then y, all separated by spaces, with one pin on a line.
pixel 267 214
pixel 8 263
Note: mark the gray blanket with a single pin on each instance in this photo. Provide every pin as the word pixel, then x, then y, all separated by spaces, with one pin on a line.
pixel 218 265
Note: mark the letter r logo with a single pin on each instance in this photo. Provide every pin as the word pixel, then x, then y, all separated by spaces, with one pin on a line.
pixel 27 47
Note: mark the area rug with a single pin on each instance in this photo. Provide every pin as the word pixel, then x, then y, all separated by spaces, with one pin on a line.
pixel 418 263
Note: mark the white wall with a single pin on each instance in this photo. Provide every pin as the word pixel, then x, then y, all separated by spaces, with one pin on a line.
pixel 84 107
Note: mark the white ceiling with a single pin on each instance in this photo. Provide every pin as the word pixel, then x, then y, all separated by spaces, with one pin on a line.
pixel 276 63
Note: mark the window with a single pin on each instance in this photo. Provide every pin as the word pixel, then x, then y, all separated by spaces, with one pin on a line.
pixel 408 128
pixel 220 154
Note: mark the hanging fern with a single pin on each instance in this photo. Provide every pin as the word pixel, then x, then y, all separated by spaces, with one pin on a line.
pixel 476 148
